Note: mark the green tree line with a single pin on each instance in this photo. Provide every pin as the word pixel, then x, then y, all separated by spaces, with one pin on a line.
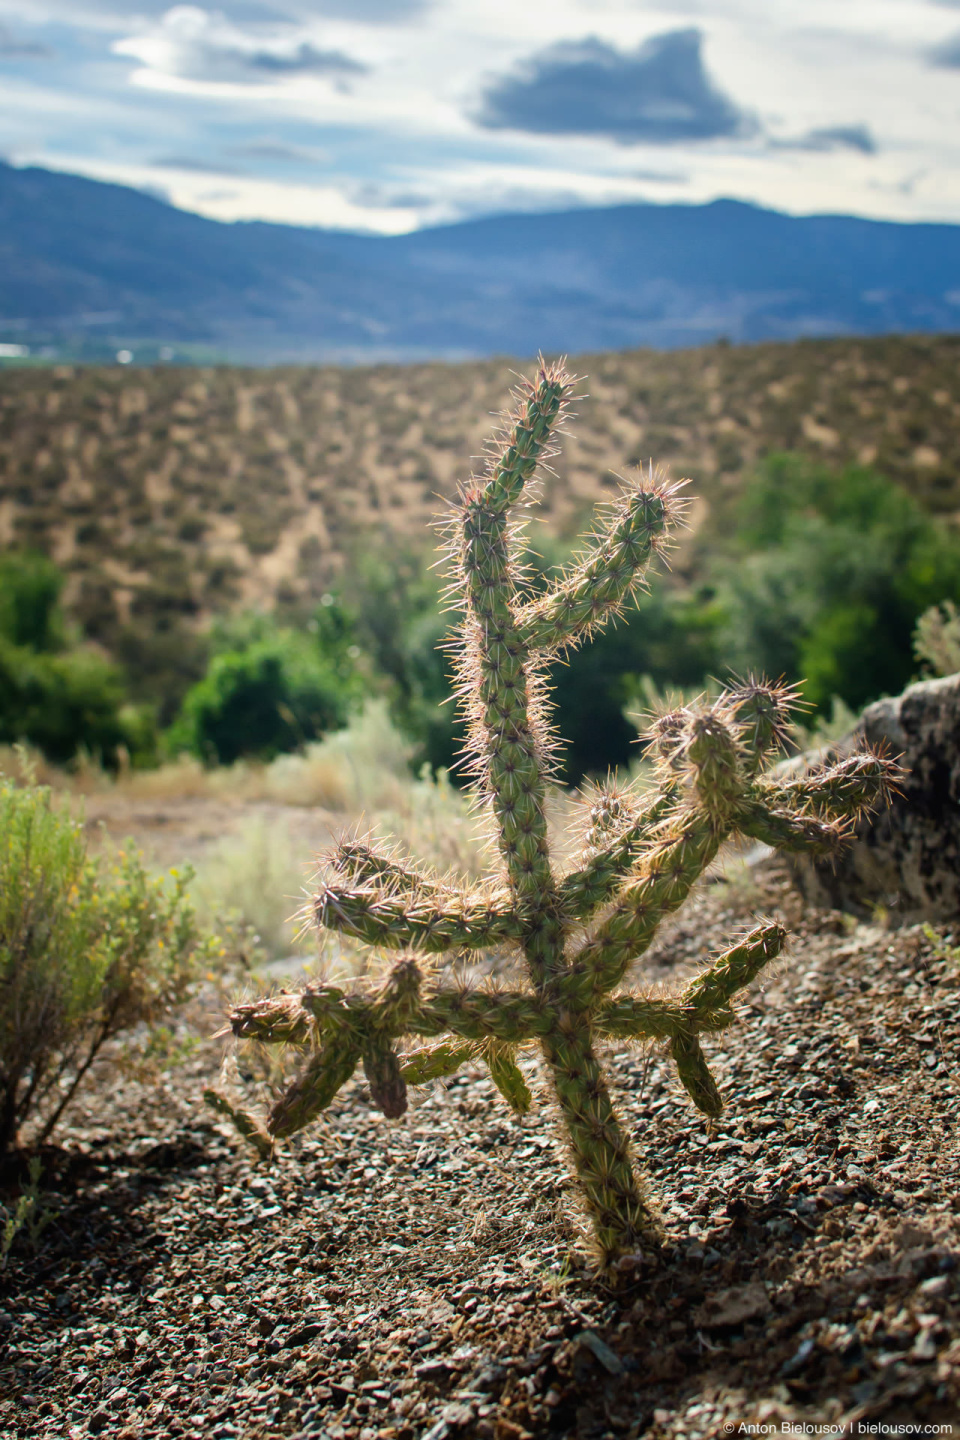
pixel 815 575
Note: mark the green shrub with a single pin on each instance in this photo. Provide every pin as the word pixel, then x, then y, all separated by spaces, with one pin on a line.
pixel 87 950
pixel 259 703
pixel 60 699
pixel 833 573
pixel 30 615
pixel 63 703
pixel 936 640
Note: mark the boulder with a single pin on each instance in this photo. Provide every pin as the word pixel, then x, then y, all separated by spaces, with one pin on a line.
pixel 907 858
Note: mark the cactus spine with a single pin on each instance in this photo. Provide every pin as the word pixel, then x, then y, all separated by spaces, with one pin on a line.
pixel 578 933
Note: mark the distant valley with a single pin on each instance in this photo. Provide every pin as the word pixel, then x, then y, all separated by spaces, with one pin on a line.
pixel 87 267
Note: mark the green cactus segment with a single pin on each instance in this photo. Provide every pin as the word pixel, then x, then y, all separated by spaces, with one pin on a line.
pixel 763 712
pixel 621 1218
pixel 860 782
pixel 436 1062
pixel 328 1068
pixel 630 925
pixel 579 934
pixel 245 1124
pixel 596 589
pixel 388 1086
pixel 582 891
pixel 735 969
pixel 786 831
pixel 713 757
pixel 278 1020
pixel 454 922
pixel 364 865
pixel 507 1077
pixel 539 413
pixel 496 686
pixel 695 1074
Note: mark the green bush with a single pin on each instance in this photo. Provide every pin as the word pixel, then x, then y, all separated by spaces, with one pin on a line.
pixel 399 616
pixel 87 951
pixel 30 615
pixel 62 703
pixel 273 694
pixel 832 574
pixel 58 698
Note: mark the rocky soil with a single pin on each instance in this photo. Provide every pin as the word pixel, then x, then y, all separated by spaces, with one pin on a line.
pixel 423 1277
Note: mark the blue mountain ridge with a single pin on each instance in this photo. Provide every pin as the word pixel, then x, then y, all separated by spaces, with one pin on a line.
pixel 81 258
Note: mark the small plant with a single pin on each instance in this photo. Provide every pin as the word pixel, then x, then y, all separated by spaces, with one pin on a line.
pixel 936 640
pixel 25 1215
pixel 577 933
pixel 87 951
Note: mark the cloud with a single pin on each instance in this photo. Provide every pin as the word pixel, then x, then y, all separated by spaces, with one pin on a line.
pixel 832 137
pixel 946 54
pixel 658 93
pixel 13 49
pixel 189 162
pixel 279 152
pixel 194 45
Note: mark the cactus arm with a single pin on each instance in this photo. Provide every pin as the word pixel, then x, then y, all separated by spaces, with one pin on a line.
pixel 245 1124
pixel 507 1077
pixel 732 971
pixel 786 831
pixel 582 891
pixel 497 688
pixel 762 712
pixel 859 783
pixel 436 1062
pixel 695 1074
pixel 280 1019
pixel 325 1072
pixel 430 925
pixel 595 590
pixel 528 436
pixel 367 867
pixel 629 926
pixel 388 1085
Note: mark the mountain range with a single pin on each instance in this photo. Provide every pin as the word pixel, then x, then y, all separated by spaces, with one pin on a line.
pixel 88 266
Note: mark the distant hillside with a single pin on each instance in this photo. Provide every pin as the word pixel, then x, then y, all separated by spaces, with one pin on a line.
pixel 92 266
pixel 170 495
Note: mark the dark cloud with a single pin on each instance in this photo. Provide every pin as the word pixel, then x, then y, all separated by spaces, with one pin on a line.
pixel 189 162
pixel 13 49
pixel 659 93
pixel 304 58
pixel 946 54
pixel 213 51
pixel 278 151
pixel 832 137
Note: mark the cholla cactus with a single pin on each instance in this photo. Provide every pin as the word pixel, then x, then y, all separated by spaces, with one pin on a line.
pixel 577 933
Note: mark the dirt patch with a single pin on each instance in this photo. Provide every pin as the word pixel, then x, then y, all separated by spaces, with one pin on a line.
pixel 421 1277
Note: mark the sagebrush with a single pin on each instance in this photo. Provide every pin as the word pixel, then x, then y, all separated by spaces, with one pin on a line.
pixel 577 933
pixel 88 949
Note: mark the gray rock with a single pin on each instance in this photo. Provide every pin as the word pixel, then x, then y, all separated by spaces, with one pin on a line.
pixel 907 858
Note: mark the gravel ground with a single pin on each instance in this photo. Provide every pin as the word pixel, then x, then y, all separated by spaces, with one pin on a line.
pixel 402 1279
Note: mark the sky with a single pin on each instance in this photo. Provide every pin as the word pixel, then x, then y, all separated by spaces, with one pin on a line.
pixel 388 115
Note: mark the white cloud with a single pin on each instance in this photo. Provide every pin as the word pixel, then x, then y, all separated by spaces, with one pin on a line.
pixel 194 44
pixel 359 111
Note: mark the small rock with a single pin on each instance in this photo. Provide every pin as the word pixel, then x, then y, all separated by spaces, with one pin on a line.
pixel 729 1308
pixel 601 1351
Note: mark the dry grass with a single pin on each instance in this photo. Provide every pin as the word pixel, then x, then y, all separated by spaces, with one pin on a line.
pixel 170 496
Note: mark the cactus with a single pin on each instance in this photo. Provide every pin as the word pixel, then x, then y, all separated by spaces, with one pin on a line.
pixel 577 933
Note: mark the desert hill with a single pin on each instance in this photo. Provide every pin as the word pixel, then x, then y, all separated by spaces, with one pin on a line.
pixel 87 267
pixel 170 495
